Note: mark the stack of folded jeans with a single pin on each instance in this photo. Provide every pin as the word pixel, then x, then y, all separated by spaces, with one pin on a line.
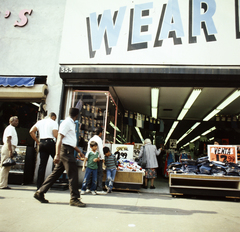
pixel 204 166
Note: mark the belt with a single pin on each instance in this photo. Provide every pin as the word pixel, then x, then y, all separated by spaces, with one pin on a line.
pixel 46 140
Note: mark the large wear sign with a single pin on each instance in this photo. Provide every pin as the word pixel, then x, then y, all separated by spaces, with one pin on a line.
pixel 162 32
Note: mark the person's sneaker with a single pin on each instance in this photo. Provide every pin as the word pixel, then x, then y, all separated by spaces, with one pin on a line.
pixel 77 202
pixel 101 193
pixel 82 192
pixel 40 197
pixel 145 187
pixel 152 187
pixel 108 189
pixel 88 190
pixel 93 192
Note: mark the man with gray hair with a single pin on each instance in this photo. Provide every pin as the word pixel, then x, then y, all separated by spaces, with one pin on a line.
pixel 10 140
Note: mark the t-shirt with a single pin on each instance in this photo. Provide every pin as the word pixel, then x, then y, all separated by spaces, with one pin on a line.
pixel 45 128
pixel 67 128
pixel 10 131
pixel 90 163
pixel 111 162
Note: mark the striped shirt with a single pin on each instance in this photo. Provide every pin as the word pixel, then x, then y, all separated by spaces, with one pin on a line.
pixel 111 162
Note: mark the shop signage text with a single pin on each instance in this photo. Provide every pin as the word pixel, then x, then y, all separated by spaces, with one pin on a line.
pixel 22 15
pixel 223 153
pixel 108 27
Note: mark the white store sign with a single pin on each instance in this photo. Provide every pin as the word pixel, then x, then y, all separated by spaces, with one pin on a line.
pixel 162 32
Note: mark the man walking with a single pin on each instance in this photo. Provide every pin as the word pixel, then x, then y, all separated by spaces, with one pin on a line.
pixel 65 160
pixel 98 140
pixel 48 130
pixel 10 140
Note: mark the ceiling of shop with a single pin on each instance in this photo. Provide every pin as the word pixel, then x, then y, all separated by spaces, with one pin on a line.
pixel 171 101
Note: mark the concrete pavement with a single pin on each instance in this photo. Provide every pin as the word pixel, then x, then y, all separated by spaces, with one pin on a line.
pixel 118 211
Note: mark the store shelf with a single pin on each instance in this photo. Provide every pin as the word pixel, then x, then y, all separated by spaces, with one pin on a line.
pixel 223 186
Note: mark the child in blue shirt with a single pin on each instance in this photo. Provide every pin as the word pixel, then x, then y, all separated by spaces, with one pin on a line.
pixel 92 167
pixel 111 164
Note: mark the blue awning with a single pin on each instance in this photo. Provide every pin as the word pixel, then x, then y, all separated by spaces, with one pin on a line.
pixel 17 81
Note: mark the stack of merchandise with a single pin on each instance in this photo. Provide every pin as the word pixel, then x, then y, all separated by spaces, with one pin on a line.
pixel 204 166
pixel 127 165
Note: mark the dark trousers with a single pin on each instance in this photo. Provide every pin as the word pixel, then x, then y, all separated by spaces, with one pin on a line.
pixel 68 163
pixel 46 148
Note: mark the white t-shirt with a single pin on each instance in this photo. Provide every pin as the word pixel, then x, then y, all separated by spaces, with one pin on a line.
pixel 10 131
pixel 67 128
pixel 45 128
pixel 99 141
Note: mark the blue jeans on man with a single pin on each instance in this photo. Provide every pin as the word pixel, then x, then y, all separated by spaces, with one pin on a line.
pixel 86 179
pixel 111 173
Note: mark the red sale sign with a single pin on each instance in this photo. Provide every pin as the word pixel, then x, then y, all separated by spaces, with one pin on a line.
pixel 223 153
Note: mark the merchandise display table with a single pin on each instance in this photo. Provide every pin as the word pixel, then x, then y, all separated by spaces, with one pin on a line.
pixel 127 180
pixel 204 185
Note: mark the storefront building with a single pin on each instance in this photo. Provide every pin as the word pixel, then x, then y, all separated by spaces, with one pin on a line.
pixel 96 50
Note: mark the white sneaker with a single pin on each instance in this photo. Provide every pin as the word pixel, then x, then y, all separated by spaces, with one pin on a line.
pixel 88 191
pixel 108 189
pixel 101 193
pixel 82 192
pixel 93 192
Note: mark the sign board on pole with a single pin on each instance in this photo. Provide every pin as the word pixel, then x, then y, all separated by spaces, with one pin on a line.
pixel 223 153
pixel 122 151
pixel 173 143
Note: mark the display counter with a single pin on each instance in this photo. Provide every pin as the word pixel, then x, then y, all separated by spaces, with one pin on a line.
pixel 127 180
pixel 204 185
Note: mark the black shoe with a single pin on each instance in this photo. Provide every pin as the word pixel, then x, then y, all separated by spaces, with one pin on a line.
pixel 40 197
pixel 6 187
pixel 145 187
pixel 77 202
pixel 152 187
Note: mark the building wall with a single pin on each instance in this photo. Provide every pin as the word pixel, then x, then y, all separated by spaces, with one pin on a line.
pixel 34 48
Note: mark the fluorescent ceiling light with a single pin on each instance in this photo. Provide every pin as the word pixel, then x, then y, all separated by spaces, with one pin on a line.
pixel 192 98
pixel 198 137
pixel 139 133
pixel 114 127
pixel 154 97
pixel 174 125
pixel 210 130
pixel 225 103
pixel 154 101
pixel 118 140
pixel 211 139
pixel 36 104
pixel 189 131
pixel 185 144
pixel 154 112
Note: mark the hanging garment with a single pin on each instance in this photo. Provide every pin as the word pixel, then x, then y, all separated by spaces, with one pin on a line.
pixel 139 120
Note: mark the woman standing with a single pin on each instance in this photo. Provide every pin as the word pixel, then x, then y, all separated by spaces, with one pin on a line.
pixel 151 152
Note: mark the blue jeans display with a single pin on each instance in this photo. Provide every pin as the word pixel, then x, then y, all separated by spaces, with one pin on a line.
pixel 111 173
pixel 86 179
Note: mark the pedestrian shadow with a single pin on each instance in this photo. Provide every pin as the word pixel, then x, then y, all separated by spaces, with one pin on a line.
pixel 150 210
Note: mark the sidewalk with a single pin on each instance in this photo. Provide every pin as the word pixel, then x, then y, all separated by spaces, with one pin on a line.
pixel 117 211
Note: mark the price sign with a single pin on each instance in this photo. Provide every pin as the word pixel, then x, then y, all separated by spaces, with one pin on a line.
pixel 223 153
pixel 173 143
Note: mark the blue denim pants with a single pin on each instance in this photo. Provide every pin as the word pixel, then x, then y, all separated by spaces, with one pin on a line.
pixel 111 173
pixel 86 179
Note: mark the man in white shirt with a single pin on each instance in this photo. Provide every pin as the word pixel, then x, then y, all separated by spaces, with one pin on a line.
pixel 48 130
pixel 98 140
pixel 10 140
pixel 65 160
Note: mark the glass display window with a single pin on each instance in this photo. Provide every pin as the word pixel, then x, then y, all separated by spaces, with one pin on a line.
pixel 97 109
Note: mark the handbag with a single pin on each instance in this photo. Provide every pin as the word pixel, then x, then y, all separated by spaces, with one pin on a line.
pixel 143 159
pixel 8 162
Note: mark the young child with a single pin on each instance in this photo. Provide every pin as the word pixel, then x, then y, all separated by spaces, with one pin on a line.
pixel 92 168
pixel 111 164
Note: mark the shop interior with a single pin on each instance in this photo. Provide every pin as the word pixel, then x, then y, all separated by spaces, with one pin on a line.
pixel 190 118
